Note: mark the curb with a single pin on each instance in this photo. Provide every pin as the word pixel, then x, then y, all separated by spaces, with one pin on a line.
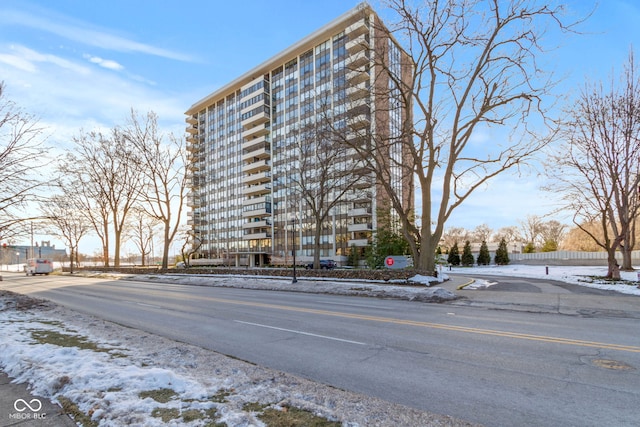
pixel 464 285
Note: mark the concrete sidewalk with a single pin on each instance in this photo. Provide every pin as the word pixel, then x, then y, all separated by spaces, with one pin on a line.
pixel 19 407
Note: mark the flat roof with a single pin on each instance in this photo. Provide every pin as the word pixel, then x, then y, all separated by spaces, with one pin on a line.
pixel 301 46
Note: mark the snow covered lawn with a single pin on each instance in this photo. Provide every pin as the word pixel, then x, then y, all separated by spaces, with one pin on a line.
pixel 591 277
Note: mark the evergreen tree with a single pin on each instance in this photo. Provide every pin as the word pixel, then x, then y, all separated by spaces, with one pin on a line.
pixel 385 242
pixel 454 255
pixel 502 255
pixel 484 258
pixel 353 259
pixel 467 256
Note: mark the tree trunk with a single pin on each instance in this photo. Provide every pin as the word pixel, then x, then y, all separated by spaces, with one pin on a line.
pixel 613 271
pixel 116 254
pixel 165 246
pixel 627 264
pixel 105 243
pixel 316 246
pixel 71 260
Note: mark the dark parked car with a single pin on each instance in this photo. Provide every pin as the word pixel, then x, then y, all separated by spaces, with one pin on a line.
pixel 325 264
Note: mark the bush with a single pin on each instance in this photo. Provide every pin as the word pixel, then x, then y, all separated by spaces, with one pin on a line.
pixel 454 255
pixel 484 258
pixel 502 255
pixel 467 256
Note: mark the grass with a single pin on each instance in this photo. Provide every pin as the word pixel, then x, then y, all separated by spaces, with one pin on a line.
pixel 294 417
pixel 69 339
pixel 166 414
pixel 221 396
pixel 161 395
pixel 78 416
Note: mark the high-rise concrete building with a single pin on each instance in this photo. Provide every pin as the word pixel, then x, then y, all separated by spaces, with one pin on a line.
pixel 252 140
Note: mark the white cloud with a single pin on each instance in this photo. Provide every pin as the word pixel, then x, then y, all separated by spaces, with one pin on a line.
pixel 26 59
pixel 81 32
pixel 105 63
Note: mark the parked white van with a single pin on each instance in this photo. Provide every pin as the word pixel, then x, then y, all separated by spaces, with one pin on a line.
pixel 39 266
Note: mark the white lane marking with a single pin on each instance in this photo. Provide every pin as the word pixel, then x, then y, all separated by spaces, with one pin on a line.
pixel 300 332
pixel 377 307
pixel 142 304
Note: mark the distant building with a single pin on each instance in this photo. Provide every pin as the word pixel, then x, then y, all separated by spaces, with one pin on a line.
pixel 241 140
pixel 19 254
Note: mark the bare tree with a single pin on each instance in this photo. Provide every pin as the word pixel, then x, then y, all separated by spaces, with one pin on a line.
pixel 20 156
pixel 577 240
pixel 482 233
pixel 474 69
pixel 141 230
pixel 552 232
pixel 163 166
pixel 324 172
pixel 62 212
pixel 105 170
pixel 531 229
pixel 510 234
pixel 190 246
pixel 452 236
pixel 90 194
pixel 597 169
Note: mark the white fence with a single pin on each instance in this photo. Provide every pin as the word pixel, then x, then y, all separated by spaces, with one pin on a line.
pixel 568 258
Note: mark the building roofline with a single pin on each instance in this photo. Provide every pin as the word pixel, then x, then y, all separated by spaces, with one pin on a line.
pixel 281 57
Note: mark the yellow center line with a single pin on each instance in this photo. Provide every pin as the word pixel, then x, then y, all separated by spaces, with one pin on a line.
pixel 505 334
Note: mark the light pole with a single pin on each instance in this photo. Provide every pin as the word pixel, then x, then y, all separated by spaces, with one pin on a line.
pixel 293 249
pixel 17 261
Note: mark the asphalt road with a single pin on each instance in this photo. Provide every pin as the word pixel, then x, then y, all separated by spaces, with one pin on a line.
pixel 499 368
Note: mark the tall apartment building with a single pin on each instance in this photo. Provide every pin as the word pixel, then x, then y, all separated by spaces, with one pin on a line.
pixel 246 141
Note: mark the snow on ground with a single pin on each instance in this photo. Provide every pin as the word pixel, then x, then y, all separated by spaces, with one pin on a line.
pixel 108 383
pixel 591 277
pixel 382 289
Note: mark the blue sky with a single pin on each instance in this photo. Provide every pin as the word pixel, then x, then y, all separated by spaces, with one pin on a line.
pixel 84 64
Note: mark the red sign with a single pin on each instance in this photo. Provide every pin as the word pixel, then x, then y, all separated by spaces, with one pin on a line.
pixel 389 261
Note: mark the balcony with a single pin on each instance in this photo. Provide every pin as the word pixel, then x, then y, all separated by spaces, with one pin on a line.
pixel 359 196
pixel 258 166
pixel 359 121
pixel 249 145
pixel 261 212
pixel 359 243
pixel 357 92
pixel 256 224
pixel 355 77
pixel 264 152
pixel 359 212
pixel 193 145
pixel 193 129
pixel 256 236
pixel 255 190
pixel 192 119
pixel 253 106
pixel 194 167
pixel 358 44
pixel 256 200
pixel 257 178
pixel 356 29
pixel 260 115
pixel 357 61
pixel 194 202
pixel 354 228
pixel 254 132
